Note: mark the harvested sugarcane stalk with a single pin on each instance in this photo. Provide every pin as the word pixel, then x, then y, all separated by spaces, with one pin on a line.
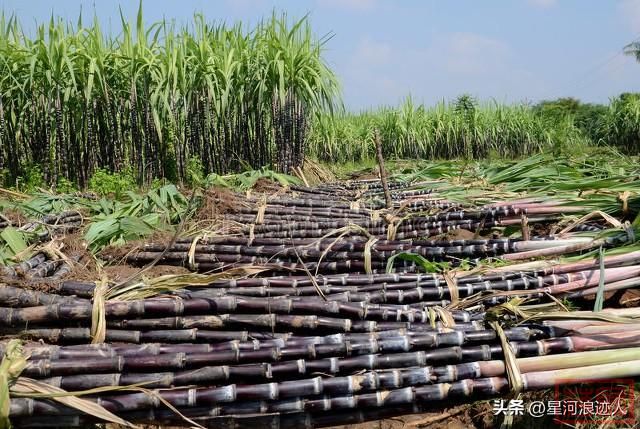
pixel 371 256
pixel 327 326
pixel 373 380
pixel 229 399
pixel 281 361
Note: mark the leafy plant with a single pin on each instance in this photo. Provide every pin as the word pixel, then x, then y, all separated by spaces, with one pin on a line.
pixel 12 242
pixel 195 172
pixel 45 203
pixel 104 182
pixel 32 179
pixel 117 222
pixel 64 186
pixel 246 180
pixel 118 228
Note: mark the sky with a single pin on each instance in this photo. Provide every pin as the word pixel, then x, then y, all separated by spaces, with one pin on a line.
pixel 433 50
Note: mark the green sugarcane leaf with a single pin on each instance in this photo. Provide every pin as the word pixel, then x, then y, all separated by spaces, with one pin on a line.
pixel 244 164
pixel 217 180
pixel 421 261
pixel 99 232
pixel 131 227
pixel 283 179
pixel 511 231
pixel 246 182
pixel 14 239
pixel 158 201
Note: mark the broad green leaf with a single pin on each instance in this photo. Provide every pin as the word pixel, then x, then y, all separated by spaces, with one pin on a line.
pixel 14 239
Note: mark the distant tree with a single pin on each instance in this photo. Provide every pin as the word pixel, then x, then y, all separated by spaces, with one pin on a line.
pixel 585 116
pixel 557 109
pixel 630 96
pixel 633 50
pixel 465 105
pixel 589 119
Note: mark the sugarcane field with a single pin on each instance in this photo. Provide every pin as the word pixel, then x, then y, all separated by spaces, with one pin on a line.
pixel 205 222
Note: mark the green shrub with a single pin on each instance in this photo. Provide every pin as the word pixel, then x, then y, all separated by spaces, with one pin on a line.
pixel 195 171
pixel 104 182
pixel 586 117
pixel 65 186
pixel 32 179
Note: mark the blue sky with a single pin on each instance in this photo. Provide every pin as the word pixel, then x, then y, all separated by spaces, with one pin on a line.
pixel 383 50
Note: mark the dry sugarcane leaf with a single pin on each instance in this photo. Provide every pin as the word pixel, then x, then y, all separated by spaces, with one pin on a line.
pixel 53 249
pixel 192 252
pixel 367 254
pixel 171 407
pixel 98 314
pixel 452 285
pixel 14 194
pixel 95 391
pixel 581 315
pixel 445 316
pixel 11 366
pixel 513 306
pixel 610 219
pixel 26 386
pixel 341 233
pixel 512 369
pixel 156 286
pixel 310 276
pixel 300 175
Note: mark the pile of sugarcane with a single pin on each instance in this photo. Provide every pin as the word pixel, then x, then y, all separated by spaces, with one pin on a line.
pixel 344 228
pixel 256 376
pixel 349 253
pixel 45 261
pixel 201 309
pixel 48 225
pixel 296 222
pixel 316 310
pixel 39 266
pixel 317 211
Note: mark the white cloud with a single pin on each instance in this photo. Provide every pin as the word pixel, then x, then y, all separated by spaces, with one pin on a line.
pixel 372 52
pixel 630 13
pixel 470 53
pixel 353 5
pixel 543 3
pixel 436 68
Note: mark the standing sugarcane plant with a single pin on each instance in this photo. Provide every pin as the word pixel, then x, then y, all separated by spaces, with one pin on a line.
pixel 74 99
